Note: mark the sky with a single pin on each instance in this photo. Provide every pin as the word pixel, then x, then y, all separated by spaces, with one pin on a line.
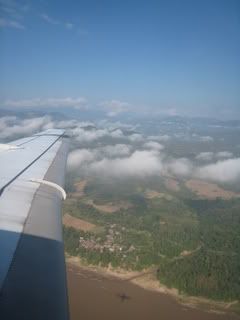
pixel 152 57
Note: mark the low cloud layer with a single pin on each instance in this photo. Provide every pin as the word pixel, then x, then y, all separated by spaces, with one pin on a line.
pixel 120 162
pixel 11 126
pixel 153 145
pixel 139 163
pixel 180 167
pixel 78 103
pixel 161 138
pixel 79 157
pixel 210 156
pixel 222 171
pixel 117 150
pixel 114 107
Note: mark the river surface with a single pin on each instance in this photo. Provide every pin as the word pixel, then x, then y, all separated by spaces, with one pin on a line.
pixel 95 296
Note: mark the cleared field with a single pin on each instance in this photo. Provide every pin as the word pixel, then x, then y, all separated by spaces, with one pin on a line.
pixel 79 189
pixel 209 190
pixel 172 184
pixel 77 223
pixel 109 207
pixel 151 194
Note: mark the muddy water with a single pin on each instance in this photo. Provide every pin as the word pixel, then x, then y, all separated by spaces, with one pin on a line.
pixel 94 296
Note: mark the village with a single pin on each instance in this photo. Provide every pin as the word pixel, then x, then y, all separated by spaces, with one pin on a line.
pixel 111 243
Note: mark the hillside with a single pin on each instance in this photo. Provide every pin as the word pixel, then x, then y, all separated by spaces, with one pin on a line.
pixel 192 242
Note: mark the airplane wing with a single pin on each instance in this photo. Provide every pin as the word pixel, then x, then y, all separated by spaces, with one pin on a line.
pixel 32 265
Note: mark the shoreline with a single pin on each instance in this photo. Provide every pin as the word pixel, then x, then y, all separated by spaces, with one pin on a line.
pixel 145 280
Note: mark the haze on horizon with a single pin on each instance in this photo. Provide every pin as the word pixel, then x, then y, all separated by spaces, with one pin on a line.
pixel 159 57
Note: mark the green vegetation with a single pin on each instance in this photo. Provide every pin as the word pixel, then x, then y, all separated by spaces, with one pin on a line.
pixel 213 271
pixel 195 244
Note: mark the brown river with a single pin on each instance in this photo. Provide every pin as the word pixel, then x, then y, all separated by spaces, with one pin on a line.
pixel 95 296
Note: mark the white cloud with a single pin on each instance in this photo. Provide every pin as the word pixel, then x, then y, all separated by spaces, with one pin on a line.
pixel 65 124
pixel 48 19
pixel 116 150
pixel 69 25
pixel 222 171
pixel 92 134
pixel 205 156
pixel 97 161
pixel 180 167
pixel 78 157
pixel 120 160
pixel 135 137
pixel 114 107
pixel 81 131
pixel 208 156
pixel 162 138
pixel 224 154
pixel 13 14
pixel 82 32
pixel 117 133
pixel 153 145
pixel 206 139
pixel 113 125
pixel 7 23
pixel 171 112
pixel 79 102
pixel 82 135
pixel 10 127
pixel 139 163
pixel 7 121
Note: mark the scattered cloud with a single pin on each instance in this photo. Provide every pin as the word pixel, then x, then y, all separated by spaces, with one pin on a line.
pixel 209 156
pixel 115 107
pixel 136 137
pixel 117 133
pixel 6 122
pixel 206 139
pixel 79 102
pixel 180 167
pixel 11 127
pixel 224 154
pixel 116 150
pixel 162 138
pixel 222 171
pixel 7 23
pixel 13 14
pixel 69 25
pixel 117 153
pixel 153 145
pixel 139 163
pixel 13 8
pixel 205 156
pixel 93 134
pixel 82 32
pixel 82 135
pixel 78 157
pixel 113 125
pixel 197 137
pixel 48 19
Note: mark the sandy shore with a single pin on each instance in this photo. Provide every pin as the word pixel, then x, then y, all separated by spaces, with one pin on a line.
pixel 147 280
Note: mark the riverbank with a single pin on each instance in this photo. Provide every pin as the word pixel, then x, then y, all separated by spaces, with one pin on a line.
pixel 147 280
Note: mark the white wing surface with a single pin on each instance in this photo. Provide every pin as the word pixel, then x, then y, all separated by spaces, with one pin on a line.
pixel 32 267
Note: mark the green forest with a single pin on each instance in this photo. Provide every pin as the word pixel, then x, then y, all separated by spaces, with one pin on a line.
pixel 194 244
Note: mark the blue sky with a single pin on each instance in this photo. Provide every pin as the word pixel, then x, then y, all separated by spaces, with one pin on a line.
pixel 164 57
